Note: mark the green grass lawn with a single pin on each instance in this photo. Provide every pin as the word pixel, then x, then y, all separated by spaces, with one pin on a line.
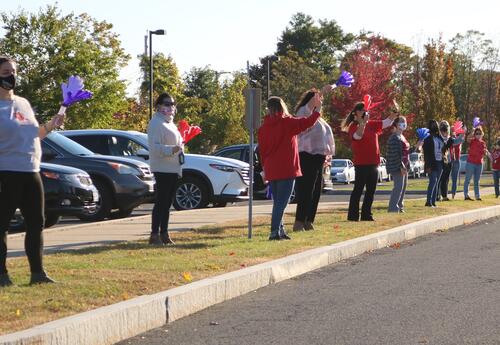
pixel 96 277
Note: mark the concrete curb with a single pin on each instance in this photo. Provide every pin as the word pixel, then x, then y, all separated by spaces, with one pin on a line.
pixel 108 325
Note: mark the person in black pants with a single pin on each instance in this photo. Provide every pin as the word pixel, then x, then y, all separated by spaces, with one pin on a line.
pixel 20 183
pixel 364 134
pixel 444 130
pixel 314 144
pixel 165 159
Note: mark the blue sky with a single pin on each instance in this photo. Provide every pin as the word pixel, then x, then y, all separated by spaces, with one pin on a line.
pixel 225 34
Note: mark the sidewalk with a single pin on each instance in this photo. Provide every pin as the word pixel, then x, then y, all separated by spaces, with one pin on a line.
pixel 135 228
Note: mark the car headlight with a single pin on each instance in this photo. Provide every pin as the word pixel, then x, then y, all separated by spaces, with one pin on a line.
pixel 222 167
pixel 74 179
pixel 125 169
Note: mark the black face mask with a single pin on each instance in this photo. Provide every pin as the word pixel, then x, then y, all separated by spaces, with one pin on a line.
pixel 8 83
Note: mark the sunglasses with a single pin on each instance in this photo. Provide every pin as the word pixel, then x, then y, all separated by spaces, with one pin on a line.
pixel 168 104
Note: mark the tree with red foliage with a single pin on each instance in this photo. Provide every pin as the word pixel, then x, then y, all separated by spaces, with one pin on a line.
pixel 372 64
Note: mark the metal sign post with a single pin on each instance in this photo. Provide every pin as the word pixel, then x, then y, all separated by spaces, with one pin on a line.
pixel 252 121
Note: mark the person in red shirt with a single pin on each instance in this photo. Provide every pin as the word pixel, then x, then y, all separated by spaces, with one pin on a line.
pixel 495 166
pixel 474 165
pixel 366 157
pixel 279 156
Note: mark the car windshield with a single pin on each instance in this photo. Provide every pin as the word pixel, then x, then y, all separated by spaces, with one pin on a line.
pixel 414 157
pixel 339 164
pixel 69 145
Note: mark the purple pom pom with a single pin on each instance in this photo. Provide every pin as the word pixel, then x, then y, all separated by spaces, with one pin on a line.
pixel 346 79
pixel 73 91
pixel 422 133
pixel 269 192
pixel 476 122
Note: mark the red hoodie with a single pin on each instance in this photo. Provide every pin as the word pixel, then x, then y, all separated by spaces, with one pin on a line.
pixel 278 148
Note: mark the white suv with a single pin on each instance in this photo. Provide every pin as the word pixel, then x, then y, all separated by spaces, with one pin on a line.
pixel 205 179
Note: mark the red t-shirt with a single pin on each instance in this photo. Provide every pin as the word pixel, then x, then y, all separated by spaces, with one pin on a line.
pixel 495 157
pixel 477 149
pixel 366 151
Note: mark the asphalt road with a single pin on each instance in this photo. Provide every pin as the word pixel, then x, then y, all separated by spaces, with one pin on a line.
pixel 443 288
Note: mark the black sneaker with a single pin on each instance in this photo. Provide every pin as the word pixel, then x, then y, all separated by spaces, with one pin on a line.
pixel 5 280
pixel 275 238
pixel 468 198
pixel 40 278
pixel 479 199
pixel 165 238
pixel 367 219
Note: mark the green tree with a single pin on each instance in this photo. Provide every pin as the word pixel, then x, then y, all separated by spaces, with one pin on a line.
pixel 49 47
pixel 437 76
pixel 469 53
pixel 292 76
pixel 321 46
pixel 166 78
pixel 224 123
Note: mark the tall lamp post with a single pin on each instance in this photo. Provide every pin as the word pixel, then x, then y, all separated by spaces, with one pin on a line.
pixel 269 60
pixel 151 33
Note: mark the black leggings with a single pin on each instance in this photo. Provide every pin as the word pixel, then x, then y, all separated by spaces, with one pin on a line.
pixel 366 175
pixel 164 195
pixel 308 186
pixel 23 190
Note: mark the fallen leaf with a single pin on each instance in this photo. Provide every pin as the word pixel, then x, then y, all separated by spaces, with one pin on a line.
pixel 232 253
pixel 187 276
pixel 396 245
pixel 18 312
pixel 243 265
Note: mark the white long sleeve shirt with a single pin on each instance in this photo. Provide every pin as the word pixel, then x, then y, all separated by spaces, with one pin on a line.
pixel 163 136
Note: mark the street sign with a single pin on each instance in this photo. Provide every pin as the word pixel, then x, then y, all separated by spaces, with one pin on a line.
pixel 253 99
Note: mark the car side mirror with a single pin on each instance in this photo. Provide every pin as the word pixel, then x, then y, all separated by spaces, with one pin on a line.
pixel 143 153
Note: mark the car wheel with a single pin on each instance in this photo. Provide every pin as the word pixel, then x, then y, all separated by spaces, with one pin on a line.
pixel 121 213
pixel 191 193
pixel 103 206
pixel 16 223
pixel 51 219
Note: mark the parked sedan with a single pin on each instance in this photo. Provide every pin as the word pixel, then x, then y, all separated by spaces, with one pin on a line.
pixel 205 179
pixel 416 165
pixel 123 184
pixel 68 192
pixel 342 170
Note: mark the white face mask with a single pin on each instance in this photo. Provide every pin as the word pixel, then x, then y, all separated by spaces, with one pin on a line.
pixel 402 126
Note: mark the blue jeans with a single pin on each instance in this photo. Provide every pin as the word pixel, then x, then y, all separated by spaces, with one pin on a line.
pixel 282 189
pixel 475 170
pixel 455 169
pixel 432 189
pixel 496 177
